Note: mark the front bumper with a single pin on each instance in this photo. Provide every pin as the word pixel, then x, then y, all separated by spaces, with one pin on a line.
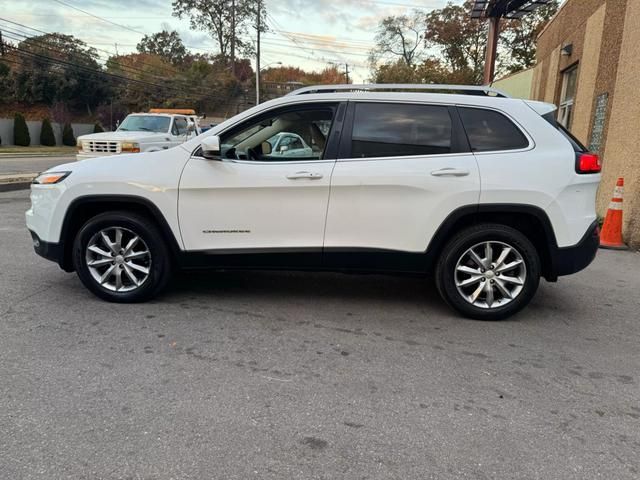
pixel 568 260
pixel 50 251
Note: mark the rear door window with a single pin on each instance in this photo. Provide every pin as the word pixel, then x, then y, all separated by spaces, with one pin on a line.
pixel 395 130
pixel 488 130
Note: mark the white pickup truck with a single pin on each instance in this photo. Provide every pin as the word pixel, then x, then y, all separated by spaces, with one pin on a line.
pixel 140 132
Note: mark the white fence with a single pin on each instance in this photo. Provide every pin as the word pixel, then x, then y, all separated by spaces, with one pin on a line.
pixel 6 130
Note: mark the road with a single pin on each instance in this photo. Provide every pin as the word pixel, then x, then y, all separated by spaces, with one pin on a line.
pixel 313 376
pixel 15 165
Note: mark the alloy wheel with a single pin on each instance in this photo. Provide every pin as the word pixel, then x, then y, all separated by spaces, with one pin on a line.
pixel 118 259
pixel 490 274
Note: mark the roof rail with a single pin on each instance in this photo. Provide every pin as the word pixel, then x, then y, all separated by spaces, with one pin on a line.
pixel 370 87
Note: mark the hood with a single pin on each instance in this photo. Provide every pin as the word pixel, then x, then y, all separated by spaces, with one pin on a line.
pixel 88 163
pixel 129 135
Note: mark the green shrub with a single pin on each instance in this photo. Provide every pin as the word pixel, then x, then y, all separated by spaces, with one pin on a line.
pixel 20 131
pixel 68 138
pixel 97 128
pixel 47 138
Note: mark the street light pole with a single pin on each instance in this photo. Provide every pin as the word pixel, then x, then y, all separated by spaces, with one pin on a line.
pixel 492 48
pixel 258 57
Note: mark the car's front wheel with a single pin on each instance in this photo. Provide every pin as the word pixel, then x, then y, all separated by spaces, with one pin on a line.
pixel 121 257
pixel 488 272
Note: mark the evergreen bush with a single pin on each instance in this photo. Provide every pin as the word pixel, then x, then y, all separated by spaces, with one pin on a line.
pixel 68 138
pixel 20 131
pixel 47 138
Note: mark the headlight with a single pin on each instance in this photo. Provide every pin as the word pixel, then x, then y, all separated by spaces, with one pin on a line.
pixel 49 178
pixel 130 147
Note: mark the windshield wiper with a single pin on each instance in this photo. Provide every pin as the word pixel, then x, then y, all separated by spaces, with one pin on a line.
pixel 144 128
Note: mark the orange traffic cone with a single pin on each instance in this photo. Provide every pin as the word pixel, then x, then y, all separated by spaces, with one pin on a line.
pixel 611 234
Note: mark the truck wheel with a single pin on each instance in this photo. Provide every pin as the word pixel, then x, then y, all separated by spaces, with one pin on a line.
pixel 121 257
pixel 488 272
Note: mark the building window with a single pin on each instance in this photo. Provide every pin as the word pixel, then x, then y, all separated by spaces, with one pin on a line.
pixel 569 81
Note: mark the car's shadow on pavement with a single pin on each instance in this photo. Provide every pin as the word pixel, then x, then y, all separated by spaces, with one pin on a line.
pixel 318 290
pixel 312 286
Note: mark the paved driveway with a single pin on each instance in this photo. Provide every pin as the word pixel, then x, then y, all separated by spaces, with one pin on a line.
pixel 313 376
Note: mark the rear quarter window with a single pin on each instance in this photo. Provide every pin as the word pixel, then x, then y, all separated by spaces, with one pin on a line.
pixel 488 130
pixel 575 143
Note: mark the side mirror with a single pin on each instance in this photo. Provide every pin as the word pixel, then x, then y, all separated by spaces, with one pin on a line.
pixel 284 148
pixel 191 127
pixel 266 148
pixel 211 147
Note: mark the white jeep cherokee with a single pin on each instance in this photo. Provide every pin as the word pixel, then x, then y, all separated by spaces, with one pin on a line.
pixel 485 191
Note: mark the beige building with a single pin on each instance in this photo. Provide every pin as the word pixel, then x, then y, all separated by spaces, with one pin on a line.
pixel 516 85
pixel 588 63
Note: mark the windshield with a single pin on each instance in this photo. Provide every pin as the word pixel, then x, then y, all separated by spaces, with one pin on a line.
pixel 145 123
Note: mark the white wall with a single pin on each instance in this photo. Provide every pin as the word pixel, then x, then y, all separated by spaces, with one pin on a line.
pixel 6 130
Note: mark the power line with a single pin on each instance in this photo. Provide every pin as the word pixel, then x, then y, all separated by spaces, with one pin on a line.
pixel 26 54
pixel 99 18
pixel 126 68
pixel 278 43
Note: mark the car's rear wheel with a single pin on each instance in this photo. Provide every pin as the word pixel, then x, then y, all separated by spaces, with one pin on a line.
pixel 121 257
pixel 488 272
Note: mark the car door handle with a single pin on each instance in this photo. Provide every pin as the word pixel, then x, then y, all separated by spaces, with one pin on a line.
pixel 450 172
pixel 309 175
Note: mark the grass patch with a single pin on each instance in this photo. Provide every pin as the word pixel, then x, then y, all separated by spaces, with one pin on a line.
pixel 39 149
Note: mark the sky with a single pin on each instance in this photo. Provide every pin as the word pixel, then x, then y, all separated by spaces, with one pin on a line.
pixel 305 33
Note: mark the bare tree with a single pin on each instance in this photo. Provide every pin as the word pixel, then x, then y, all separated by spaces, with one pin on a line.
pixel 226 21
pixel 400 36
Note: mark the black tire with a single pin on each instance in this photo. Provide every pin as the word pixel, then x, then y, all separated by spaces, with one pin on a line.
pixel 460 244
pixel 159 264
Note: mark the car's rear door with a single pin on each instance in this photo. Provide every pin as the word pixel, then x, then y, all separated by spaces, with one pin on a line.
pixel 402 169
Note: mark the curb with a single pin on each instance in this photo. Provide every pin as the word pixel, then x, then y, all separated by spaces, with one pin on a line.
pixel 35 155
pixel 9 183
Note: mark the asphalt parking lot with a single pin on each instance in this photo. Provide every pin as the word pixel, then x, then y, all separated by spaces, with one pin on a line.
pixel 313 376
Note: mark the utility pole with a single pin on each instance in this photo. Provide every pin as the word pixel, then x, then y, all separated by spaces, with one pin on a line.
pixel 1 44
pixel 346 69
pixel 258 55
pixel 233 38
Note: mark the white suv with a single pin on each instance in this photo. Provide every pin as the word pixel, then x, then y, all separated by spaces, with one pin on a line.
pixel 485 191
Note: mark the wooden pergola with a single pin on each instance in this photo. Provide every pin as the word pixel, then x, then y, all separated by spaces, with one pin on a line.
pixel 494 10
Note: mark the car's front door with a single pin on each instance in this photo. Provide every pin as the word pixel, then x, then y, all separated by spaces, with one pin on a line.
pixel 403 168
pixel 256 201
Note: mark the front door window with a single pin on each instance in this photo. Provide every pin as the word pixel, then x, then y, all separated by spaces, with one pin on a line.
pixel 288 135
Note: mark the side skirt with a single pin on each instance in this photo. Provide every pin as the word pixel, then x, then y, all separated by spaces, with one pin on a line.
pixel 335 260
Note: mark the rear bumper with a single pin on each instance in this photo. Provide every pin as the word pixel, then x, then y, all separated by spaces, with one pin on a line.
pixel 568 260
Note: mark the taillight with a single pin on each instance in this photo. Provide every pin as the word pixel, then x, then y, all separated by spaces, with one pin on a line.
pixel 588 163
